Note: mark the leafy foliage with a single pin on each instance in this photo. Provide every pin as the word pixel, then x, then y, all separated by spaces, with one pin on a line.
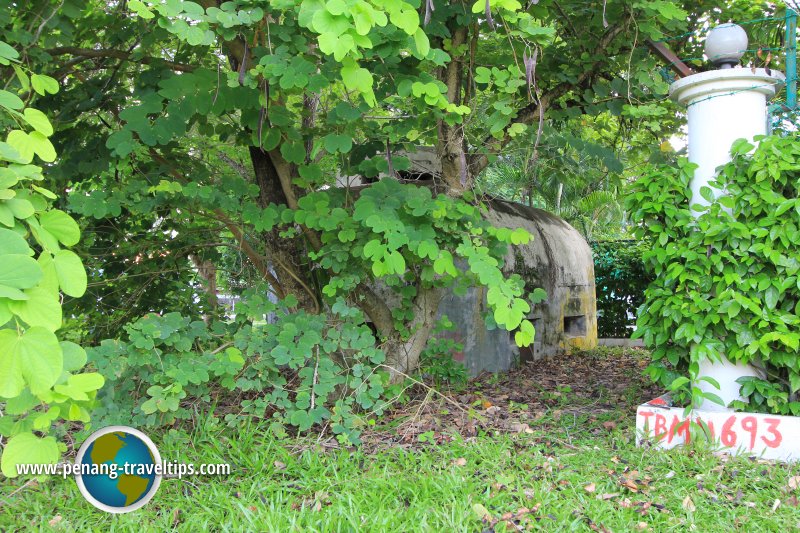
pixel 40 378
pixel 437 362
pixel 620 282
pixel 412 241
pixel 726 283
pixel 300 369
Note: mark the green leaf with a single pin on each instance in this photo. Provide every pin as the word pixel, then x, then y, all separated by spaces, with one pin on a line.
pixel 7 53
pixel 38 121
pixel 42 308
pixel 11 379
pixel 74 356
pixel 44 84
pixel 62 226
pixel 396 261
pixel 12 294
pixel 525 335
pixel 28 144
pixel 70 272
pixel 19 141
pixel 520 236
pixel 405 18
pixel 19 271
pixel 5 313
pixel 421 42
pixel 20 208
pixel 87 382
pixel 359 79
pixel 338 143
pixel 33 358
pixel 30 449
pixel 678 383
pixel 10 100
pixel 771 297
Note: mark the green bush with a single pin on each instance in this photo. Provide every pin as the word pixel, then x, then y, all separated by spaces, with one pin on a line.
pixel 300 369
pixel 728 282
pixel 620 281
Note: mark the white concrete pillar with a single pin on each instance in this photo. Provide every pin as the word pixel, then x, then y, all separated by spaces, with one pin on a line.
pixel 723 105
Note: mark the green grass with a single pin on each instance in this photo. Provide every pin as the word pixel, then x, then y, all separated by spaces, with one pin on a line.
pixel 298 485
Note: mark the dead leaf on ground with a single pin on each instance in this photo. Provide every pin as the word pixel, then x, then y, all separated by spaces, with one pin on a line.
pixel 461 461
pixel 629 484
pixel 641 526
pixel 55 520
pixel 688 504
pixel 591 487
pixel 176 518
pixel 607 495
pixel 279 465
pixel 793 483
pixel 610 425
pixel 521 428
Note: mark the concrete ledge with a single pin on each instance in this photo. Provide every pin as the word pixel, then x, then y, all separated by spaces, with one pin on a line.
pixel 621 343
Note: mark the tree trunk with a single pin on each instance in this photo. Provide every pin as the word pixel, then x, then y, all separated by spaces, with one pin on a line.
pixel 451 146
pixel 402 356
pixel 288 258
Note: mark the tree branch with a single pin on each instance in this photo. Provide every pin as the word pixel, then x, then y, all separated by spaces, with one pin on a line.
pixel 117 54
pixel 530 113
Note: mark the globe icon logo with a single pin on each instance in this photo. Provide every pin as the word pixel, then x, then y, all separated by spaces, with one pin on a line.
pixel 119 469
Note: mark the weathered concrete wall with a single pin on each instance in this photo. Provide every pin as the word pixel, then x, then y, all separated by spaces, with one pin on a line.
pixel 557 260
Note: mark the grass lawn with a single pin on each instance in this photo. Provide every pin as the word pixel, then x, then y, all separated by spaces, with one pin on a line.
pixel 564 459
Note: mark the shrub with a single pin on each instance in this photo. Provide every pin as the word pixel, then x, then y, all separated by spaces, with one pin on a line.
pixel 726 283
pixel 620 281
pixel 300 369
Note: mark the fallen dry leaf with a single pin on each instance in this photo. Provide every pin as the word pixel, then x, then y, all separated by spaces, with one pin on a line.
pixel 641 526
pixel 776 505
pixel 521 428
pixel 461 461
pixel 55 520
pixel 794 482
pixel 629 484
pixel 688 504
pixel 591 487
pixel 610 425
pixel 279 465
pixel 607 495
pixel 792 500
